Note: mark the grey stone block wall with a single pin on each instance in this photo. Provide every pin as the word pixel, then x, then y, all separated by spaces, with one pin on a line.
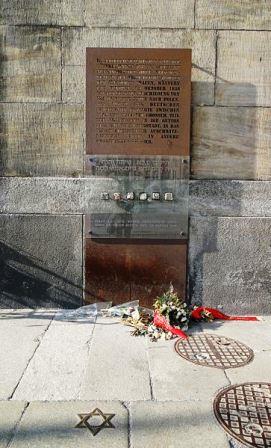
pixel 230 261
pixel 43 192
pixel 41 261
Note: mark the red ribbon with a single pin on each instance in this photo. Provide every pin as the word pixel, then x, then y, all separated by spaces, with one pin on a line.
pixel 197 314
pixel 161 322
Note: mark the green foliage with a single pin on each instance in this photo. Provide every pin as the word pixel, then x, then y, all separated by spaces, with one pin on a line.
pixel 173 308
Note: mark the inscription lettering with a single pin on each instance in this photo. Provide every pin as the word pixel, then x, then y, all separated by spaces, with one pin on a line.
pixel 138 100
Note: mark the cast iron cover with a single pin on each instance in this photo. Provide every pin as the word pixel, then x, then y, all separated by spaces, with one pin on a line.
pixel 214 351
pixel 244 411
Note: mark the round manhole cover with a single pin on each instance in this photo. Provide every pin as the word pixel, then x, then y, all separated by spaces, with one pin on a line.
pixel 214 351
pixel 244 411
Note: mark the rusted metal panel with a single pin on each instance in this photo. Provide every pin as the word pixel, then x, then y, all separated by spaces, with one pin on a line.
pixel 138 101
pixel 122 271
pixel 107 273
pixel 154 266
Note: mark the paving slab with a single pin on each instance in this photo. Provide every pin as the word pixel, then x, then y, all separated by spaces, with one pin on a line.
pixel 118 364
pixel 11 412
pixel 258 370
pixel 47 425
pixel 20 333
pixel 257 335
pixel 174 378
pixel 58 367
pixel 175 424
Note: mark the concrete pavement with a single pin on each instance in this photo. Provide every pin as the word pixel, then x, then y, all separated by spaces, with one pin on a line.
pixel 52 370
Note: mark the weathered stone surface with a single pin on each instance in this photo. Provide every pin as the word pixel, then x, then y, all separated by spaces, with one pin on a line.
pixel 246 14
pixel 258 370
pixel 231 143
pixel 55 195
pixel 47 12
pixel 115 374
pixel 42 195
pixel 229 198
pixel 31 64
pixel 11 413
pixel 52 424
pixel 74 84
pixel 229 264
pixel 27 327
pixel 41 139
pixel 51 375
pixel 73 196
pixel 143 14
pixel 171 424
pixel 202 43
pixel 165 382
pixel 41 261
pixel 243 68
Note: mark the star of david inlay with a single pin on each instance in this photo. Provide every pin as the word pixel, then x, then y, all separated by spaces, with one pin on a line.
pixel 95 429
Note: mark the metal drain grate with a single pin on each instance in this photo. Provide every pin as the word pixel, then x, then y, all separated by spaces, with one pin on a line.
pixel 244 411
pixel 214 351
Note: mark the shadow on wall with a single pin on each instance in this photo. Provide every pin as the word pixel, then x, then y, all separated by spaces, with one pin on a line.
pixel 25 283
pixel 211 200
pixel 3 124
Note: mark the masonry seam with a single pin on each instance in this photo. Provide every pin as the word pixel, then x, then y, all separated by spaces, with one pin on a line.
pixel 93 27
pixel 89 344
pixel 61 64
pixel 16 427
pixel 83 263
pixel 31 357
pixel 126 405
pixel 57 103
pixel 216 62
pixel 226 375
pixel 195 1
pixel 149 369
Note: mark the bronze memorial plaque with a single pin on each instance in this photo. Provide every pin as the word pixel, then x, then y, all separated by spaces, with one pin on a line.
pixel 138 101
pixel 137 139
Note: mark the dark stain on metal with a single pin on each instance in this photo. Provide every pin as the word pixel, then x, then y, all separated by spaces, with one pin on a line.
pixel 123 270
pixel 214 351
pixel 244 411
pixel 95 429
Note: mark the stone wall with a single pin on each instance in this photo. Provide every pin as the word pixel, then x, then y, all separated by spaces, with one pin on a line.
pixel 43 194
